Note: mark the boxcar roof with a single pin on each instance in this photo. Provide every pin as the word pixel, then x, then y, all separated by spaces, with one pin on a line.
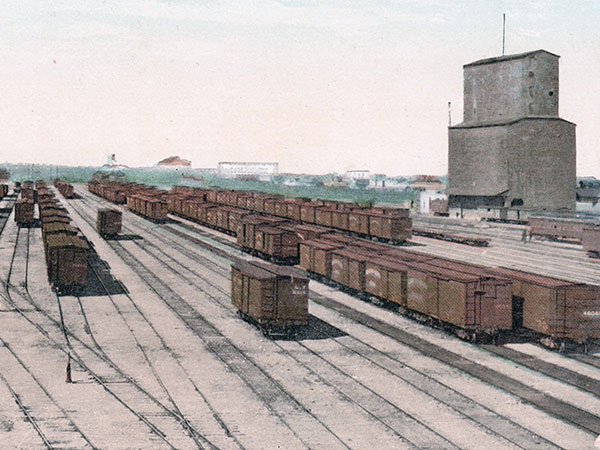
pixel 263 271
pixel 541 280
pixel 324 245
pixel 65 240
pixel 268 229
pixel 440 272
pixel 56 226
pixel 354 254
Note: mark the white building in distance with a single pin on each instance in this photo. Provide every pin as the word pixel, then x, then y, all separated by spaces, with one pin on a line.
pixel 260 170
pixel 358 175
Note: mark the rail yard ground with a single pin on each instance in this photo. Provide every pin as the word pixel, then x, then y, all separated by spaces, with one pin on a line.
pixel 159 358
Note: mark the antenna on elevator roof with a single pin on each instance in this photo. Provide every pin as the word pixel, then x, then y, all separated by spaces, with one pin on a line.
pixel 449 114
pixel 503 31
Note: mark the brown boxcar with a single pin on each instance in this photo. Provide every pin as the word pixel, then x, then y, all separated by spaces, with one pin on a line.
pixel 438 206
pixel 247 226
pixel 212 216
pixel 324 216
pixel 591 240
pixel 405 255
pixel 281 208
pixel 153 208
pixel 390 227
pixel 348 268
pixel 109 222
pixel 24 212
pixel 235 216
pixel 340 219
pixel 451 297
pixel 56 218
pixel 386 279
pixel 557 308
pixel 278 244
pixel 315 256
pixel 276 298
pixel 58 228
pixel 308 211
pixel 293 209
pixel 269 205
pixel 67 261
pixel 175 203
pixel 358 222
pixel 202 211
pixel 304 231
pixel 496 291
pixel 557 228
pixel 338 238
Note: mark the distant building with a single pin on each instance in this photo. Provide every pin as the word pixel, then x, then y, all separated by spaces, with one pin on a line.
pixel 358 175
pixel 511 150
pixel 427 183
pixel 260 170
pixel 174 161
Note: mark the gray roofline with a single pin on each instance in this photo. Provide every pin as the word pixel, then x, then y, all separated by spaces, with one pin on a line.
pixel 510 122
pixel 496 59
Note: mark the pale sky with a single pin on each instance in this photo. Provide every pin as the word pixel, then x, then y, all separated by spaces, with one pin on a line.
pixel 317 85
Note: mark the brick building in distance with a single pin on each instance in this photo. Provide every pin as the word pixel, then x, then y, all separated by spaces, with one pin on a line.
pixel 512 154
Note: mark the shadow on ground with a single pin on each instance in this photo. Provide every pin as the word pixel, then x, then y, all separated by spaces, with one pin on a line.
pixel 317 329
pixel 99 279
pixel 123 237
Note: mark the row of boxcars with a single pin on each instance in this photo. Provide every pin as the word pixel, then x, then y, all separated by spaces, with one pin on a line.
pixel 472 300
pixel 387 224
pixel 65 189
pixel 585 231
pixel 24 207
pixel 145 201
pixel 65 249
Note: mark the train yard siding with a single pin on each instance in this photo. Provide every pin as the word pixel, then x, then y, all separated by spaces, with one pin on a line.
pixel 174 331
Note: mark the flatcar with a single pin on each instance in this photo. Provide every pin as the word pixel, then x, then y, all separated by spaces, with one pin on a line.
pixel 273 297
pixel 557 228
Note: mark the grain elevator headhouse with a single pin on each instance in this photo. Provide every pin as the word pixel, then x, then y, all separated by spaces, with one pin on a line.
pixel 512 151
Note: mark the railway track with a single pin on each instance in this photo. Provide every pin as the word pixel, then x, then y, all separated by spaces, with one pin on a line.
pixel 507 424
pixel 34 400
pixel 199 439
pixel 123 388
pixel 279 401
pixel 8 203
pixel 548 369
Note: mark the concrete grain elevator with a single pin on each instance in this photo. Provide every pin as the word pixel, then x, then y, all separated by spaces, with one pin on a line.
pixel 512 154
